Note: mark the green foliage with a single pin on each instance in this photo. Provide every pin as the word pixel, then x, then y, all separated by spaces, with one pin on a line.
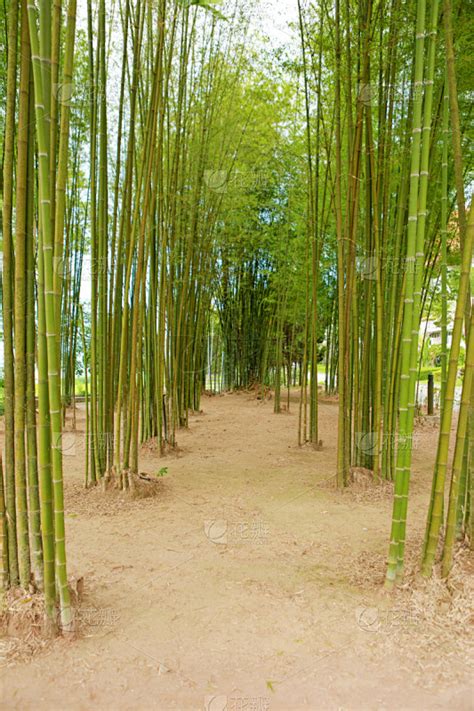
pixel 210 5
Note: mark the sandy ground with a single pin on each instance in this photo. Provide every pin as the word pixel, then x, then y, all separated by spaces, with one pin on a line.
pixel 247 583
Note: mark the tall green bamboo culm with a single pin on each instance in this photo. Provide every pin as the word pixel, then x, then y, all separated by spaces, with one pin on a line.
pixel 402 471
pixel 435 514
pixel 39 39
pixel 462 429
pixel 20 304
pixel 7 284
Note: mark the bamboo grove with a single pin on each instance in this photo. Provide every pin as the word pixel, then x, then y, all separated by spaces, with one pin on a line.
pixel 183 214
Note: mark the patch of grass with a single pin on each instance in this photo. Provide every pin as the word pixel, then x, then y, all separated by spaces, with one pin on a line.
pixel 424 372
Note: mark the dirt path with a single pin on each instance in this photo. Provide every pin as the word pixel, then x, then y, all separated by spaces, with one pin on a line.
pixel 247 584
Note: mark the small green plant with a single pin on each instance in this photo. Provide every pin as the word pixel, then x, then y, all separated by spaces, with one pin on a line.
pixel 163 472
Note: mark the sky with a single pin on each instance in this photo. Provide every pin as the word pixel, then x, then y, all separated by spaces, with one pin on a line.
pixel 277 16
